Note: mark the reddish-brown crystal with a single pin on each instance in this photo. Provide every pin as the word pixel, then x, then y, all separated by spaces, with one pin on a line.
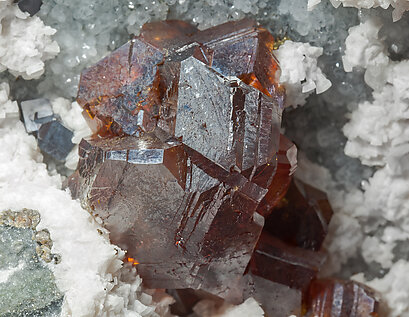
pixel 336 298
pixel 286 165
pixel 175 213
pixel 279 275
pixel 281 263
pixel 123 91
pixel 189 160
pixel 302 217
pixel 277 300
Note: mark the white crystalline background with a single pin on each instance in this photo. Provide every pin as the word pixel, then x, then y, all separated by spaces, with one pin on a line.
pixel 400 6
pixel 25 42
pixel 364 111
pixel 300 73
pixel 90 270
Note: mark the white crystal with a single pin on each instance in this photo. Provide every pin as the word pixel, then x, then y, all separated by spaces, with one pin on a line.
pixel 300 73
pixel 25 42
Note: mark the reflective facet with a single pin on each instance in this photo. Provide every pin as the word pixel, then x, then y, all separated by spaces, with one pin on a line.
pixel 336 298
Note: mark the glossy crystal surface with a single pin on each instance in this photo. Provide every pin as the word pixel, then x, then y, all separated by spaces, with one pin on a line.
pixel 302 216
pixel 336 298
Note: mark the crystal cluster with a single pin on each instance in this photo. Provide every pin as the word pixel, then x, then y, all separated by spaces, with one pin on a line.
pixel 54 138
pixel 189 172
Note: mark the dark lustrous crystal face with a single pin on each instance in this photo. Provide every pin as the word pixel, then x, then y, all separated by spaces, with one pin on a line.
pixel 187 162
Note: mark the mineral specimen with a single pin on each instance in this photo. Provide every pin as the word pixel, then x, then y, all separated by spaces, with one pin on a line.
pixel 55 140
pixel 203 133
pixel 187 162
pixel 36 112
pixel 30 6
pixel 335 298
pixel 27 286
pixel 302 217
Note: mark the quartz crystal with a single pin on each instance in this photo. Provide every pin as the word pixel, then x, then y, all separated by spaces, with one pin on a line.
pixel 187 164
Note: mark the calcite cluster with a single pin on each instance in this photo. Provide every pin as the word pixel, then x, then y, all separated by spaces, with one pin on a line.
pixel 188 170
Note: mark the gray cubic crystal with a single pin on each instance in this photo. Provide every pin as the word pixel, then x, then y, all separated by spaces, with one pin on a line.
pixel 55 140
pixel 30 6
pixel 35 113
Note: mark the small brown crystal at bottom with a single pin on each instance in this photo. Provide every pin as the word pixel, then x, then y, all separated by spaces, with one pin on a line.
pixel 337 298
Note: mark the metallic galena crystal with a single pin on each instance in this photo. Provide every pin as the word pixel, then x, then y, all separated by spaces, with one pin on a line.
pixel 35 113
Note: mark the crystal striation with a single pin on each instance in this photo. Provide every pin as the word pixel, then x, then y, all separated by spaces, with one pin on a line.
pixel 335 298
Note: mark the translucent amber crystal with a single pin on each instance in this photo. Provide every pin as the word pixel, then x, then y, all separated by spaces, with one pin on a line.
pixel 337 298
pixel 302 217
pixel 279 275
pixel 286 166
pixel 281 263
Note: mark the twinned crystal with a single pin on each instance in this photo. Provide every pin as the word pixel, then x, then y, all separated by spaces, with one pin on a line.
pixel 187 164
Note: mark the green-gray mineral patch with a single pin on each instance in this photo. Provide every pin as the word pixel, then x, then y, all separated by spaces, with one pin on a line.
pixel 27 285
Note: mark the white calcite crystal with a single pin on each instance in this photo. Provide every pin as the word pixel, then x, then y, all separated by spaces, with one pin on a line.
pixel 378 132
pixel 300 73
pixel 8 109
pixel 364 50
pixel 208 308
pixel 25 42
pixel 400 6
pixel 90 274
pixel 394 287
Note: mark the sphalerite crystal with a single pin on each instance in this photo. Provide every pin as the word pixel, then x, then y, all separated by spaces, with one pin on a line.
pixel 187 163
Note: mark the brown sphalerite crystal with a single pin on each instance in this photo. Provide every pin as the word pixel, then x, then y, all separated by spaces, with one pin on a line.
pixel 187 161
pixel 337 298
pixel 175 212
pixel 202 111
pixel 301 218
